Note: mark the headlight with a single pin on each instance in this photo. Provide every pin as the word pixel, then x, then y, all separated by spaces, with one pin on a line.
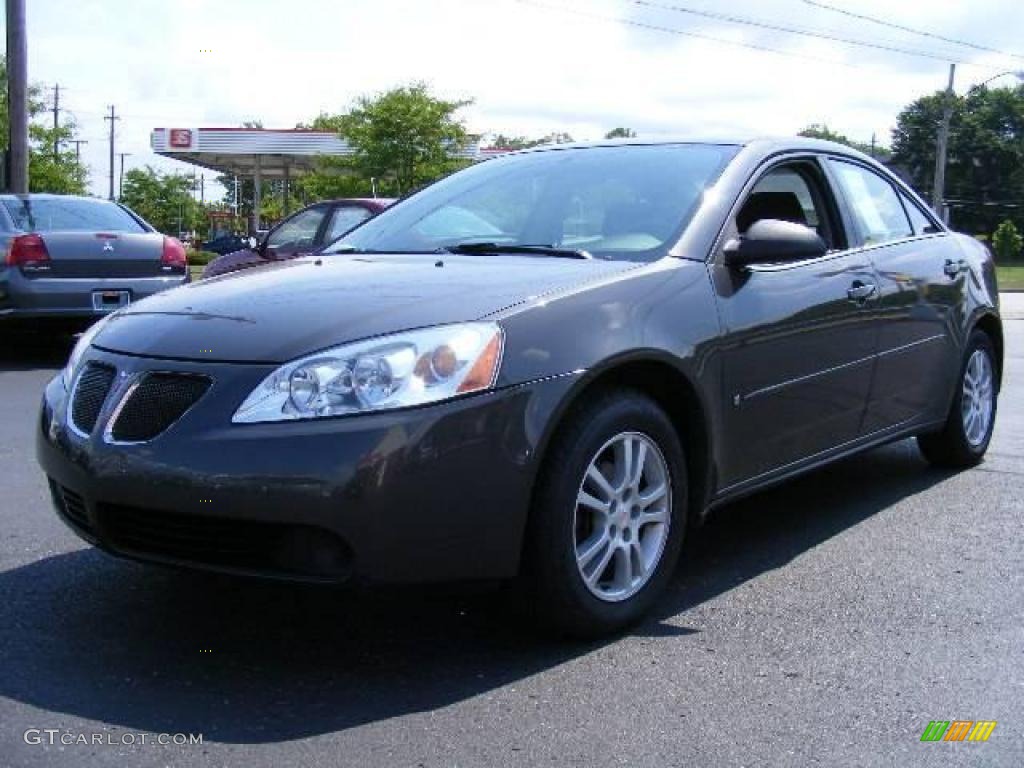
pixel 68 374
pixel 388 372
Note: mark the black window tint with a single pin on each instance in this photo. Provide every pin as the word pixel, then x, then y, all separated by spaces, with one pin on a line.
pixel 69 214
pixel 920 222
pixel 874 204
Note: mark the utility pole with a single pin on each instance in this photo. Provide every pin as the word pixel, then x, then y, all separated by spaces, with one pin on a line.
pixel 941 146
pixel 17 96
pixel 111 117
pixel 78 148
pixel 872 145
pixel 56 122
pixel 120 180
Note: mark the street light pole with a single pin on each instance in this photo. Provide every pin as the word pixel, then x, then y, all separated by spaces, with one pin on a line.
pixel 941 145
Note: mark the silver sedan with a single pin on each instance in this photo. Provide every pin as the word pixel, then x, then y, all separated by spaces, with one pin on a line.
pixel 76 258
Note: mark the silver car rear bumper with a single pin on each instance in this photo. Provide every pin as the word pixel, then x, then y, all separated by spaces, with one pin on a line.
pixel 67 297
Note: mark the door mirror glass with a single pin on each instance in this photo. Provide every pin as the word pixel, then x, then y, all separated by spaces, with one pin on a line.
pixel 773 241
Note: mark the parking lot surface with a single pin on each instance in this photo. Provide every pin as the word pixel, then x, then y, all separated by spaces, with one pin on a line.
pixel 823 622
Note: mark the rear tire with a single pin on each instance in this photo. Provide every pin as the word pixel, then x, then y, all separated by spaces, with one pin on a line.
pixel 598 566
pixel 963 440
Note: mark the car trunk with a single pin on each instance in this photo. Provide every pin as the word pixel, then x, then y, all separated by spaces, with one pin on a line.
pixel 87 254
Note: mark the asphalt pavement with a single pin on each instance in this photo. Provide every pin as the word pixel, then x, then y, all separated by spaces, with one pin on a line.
pixel 825 622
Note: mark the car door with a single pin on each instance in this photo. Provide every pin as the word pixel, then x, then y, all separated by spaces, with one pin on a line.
pixel 296 235
pixel 799 337
pixel 921 281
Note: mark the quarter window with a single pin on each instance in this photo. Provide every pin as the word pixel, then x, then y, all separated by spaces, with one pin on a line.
pixel 918 220
pixel 874 203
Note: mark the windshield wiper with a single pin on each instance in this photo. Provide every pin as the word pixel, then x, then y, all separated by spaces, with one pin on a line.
pixel 540 250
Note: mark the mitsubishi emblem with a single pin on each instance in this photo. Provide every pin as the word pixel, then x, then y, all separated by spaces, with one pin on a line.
pixel 108 246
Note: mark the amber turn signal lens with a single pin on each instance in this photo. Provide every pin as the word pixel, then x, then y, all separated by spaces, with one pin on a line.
pixel 485 369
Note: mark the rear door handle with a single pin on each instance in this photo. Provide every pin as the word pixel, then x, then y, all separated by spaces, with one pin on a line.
pixel 953 268
pixel 861 292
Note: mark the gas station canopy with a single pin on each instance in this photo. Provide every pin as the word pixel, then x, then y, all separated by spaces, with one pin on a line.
pixel 246 152
pixel 261 154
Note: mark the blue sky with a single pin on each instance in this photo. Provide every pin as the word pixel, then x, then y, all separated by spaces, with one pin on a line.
pixel 567 66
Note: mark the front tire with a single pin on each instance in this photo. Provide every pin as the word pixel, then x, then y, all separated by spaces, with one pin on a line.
pixel 609 516
pixel 963 440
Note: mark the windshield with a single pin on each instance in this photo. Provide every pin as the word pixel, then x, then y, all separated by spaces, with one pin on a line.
pixel 69 214
pixel 622 202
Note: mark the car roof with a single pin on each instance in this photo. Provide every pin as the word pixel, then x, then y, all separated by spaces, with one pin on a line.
pixel 766 144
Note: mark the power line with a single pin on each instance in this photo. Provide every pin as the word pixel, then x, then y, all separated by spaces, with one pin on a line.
pixel 911 30
pixel 686 33
pixel 819 35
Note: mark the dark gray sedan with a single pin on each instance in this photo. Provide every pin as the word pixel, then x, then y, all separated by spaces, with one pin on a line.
pixel 550 364
pixel 76 258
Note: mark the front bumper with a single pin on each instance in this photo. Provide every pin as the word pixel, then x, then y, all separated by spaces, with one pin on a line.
pixel 424 494
pixel 71 297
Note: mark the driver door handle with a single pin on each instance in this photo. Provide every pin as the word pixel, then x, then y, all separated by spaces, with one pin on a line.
pixel 953 268
pixel 861 292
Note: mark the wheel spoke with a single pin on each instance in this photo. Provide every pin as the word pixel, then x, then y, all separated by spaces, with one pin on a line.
pixel 600 482
pixel 623 567
pixel 636 554
pixel 657 516
pixel 592 547
pixel 623 463
pixel 584 499
pixel 639 458
pixel 593 575
pixel 652 495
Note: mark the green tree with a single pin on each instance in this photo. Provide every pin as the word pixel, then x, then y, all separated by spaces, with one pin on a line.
pixel 1007 241
pixel 985 160
pixel 62 174
pixel 404 137
pixel 165 200
pixel 621 133
pixel 822 131
pixel 502 141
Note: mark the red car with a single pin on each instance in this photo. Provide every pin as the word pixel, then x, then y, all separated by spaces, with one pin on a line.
pixel 302 233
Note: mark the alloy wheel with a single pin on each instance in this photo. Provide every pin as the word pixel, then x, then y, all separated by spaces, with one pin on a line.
pixel 976 405
pixel 622 517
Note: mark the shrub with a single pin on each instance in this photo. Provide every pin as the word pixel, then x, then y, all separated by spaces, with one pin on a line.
pixel 1007 241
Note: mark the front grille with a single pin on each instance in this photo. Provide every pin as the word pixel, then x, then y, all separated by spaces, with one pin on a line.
pixel 90 393
pixel 159 400
pixel 72 507
pixel 274 549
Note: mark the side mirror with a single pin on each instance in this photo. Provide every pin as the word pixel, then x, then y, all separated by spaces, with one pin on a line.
pixel 772 240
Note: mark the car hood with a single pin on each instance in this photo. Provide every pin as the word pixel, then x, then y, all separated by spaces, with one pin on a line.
pixel 275 313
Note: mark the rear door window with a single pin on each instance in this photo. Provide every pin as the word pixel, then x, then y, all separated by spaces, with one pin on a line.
pixel 344 219
pixel 874 204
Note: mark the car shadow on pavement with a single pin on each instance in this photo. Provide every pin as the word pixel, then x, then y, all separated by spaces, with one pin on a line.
pixel 21 351
pixel 240 661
